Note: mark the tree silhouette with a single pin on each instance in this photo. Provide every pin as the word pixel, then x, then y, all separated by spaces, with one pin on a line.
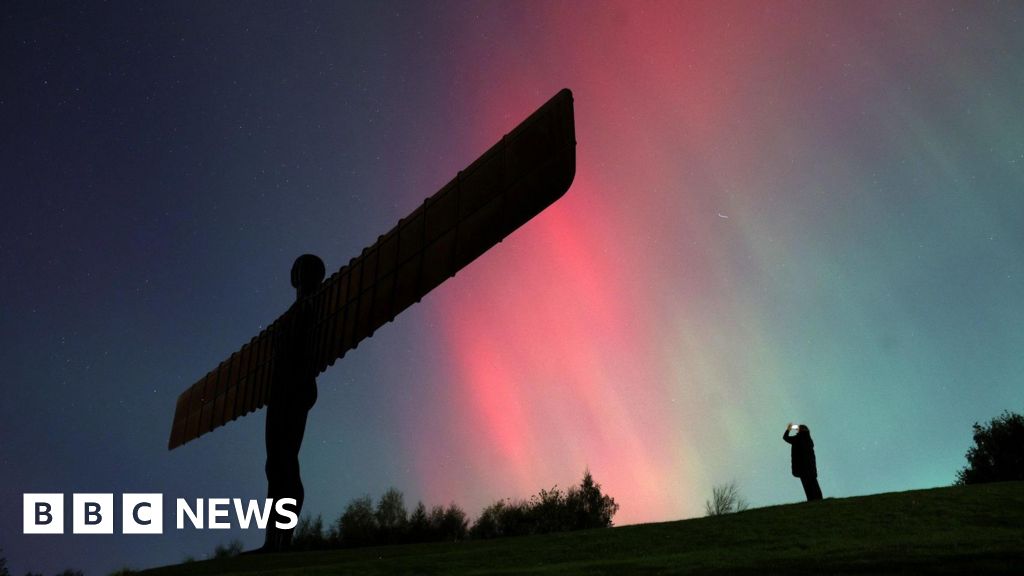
pixel 419 524
pixel 592 508
pixel 998 451
pixel 453 525
pixel 391 517
pixel 725 499
pixel 361 524
pixel 489 524
pixel 358 524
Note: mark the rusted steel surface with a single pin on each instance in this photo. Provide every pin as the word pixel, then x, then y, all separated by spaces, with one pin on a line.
pixel 516 179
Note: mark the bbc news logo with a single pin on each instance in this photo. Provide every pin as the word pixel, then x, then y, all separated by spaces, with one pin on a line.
pixel 143 513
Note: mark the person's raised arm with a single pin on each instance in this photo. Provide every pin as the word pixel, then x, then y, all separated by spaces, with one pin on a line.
pixel 785 435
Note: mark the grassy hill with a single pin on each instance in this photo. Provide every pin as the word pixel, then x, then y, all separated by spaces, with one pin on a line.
pixel 968 530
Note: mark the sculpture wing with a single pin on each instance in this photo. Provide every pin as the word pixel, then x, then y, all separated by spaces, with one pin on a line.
pixel 512 182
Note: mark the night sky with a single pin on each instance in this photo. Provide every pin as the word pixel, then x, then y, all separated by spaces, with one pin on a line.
pixel 782 211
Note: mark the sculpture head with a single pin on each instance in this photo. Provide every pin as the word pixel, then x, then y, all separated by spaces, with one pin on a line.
pixel 307 274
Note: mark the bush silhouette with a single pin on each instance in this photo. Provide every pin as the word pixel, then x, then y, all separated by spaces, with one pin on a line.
pixel 502 519
pixel 513 518
pixel 230 550
pixel 309 534
pixel 998 451
pixel 362 524
pixel 551 511
pixel 579 508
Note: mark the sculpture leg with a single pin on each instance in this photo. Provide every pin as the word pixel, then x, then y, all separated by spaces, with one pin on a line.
pixel 284 432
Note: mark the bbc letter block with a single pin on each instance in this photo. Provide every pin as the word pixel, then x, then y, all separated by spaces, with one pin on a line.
pixel 142 513
pixel 92 513
pixel 42 513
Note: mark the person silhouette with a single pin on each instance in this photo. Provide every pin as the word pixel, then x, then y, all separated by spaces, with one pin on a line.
pixel 292 394
pixel 802 459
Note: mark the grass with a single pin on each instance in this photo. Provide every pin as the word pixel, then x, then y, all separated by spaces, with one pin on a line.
pixel 973 529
